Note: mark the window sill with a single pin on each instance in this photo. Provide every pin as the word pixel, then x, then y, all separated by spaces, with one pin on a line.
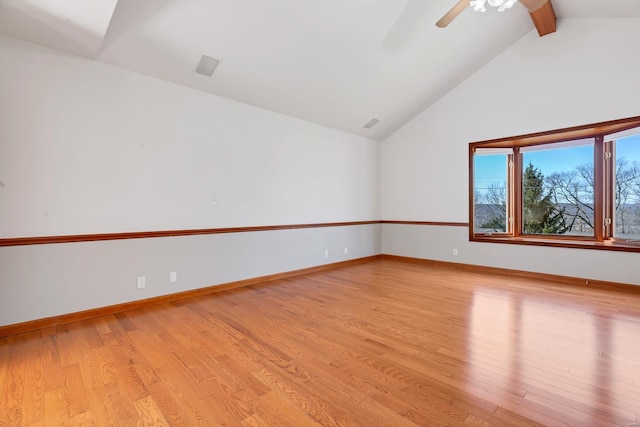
pixel 608 245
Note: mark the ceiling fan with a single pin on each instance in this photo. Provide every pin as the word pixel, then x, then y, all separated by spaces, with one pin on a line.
pixel 541 11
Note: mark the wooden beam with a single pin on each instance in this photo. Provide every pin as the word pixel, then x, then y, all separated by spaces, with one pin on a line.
pixel 542 15
pixel 532 5
pixel 544 18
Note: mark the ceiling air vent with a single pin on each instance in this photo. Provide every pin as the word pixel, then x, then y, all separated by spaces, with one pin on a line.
pixel 207 65
pixel 371 123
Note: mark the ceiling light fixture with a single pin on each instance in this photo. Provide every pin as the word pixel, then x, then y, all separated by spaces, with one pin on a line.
pixel 502 5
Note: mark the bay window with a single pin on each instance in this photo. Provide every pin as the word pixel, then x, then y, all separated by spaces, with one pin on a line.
pixel 576 187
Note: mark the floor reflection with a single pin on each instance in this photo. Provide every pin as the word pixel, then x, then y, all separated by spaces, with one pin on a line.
pixel 555 355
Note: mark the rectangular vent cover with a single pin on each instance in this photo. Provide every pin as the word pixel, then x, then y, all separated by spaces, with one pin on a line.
pixel 207 65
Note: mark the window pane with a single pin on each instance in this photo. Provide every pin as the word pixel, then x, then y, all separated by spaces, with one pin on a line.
pixel 490 193
pixel 627 188
pixel 558 190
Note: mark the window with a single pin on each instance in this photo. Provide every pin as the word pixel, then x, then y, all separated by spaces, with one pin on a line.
pixel 558 188
pixel 576 187
pixel 626 179
pixel 490 190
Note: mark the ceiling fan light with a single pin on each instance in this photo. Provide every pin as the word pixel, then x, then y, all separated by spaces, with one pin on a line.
pixel 478 5
pixel 502 5
pixel 507 5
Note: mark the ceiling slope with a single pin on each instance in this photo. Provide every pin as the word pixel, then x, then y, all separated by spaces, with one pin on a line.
pixel 337 63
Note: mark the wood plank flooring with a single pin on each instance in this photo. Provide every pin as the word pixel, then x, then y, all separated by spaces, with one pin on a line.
pixel 384 343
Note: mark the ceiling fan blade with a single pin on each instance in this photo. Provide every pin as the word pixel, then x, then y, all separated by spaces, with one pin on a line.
pixel 453 13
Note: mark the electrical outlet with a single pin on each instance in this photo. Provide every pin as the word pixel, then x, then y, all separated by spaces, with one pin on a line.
pixel 142 282
pixel 346 250
pixel 173 277
pixel 455 251
pixel 326 253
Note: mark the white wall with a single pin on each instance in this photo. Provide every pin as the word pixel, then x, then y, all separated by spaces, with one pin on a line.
pixel 437 242
pixel 586 72
pixel 89 148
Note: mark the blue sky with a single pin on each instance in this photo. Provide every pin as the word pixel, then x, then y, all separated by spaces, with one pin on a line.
pixel 629 148
pixel 489 170
pixel 559 160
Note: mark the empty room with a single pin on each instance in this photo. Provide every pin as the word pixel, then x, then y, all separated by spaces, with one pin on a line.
pixel 320 213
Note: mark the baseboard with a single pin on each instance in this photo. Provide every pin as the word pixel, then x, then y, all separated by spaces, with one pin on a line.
pixel 568 280
pixel 33 325
pixel 132 305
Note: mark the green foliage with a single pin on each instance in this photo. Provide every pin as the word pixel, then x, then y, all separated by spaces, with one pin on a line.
pixel 496 223
pixel 540 214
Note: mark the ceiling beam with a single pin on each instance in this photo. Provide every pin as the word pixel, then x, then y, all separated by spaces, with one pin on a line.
pixel 533 4
pixel 542 15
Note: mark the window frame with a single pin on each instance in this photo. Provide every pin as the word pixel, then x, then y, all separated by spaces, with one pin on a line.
pixel 604 187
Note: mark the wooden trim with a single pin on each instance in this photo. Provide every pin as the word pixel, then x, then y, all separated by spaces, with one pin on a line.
pixel 74 238
pixel 431 223
pixel 32 325
pixel 472 193
pixel 598 190
pixel 608 189
pixel 560 135
pixel 567 280
pixel 565 242
pixel 41 240
pixel 515 193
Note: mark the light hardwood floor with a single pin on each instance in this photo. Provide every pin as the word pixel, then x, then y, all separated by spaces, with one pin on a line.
pixel 378 344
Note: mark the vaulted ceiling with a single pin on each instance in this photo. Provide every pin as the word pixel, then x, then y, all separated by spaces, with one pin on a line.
pixel 337 63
